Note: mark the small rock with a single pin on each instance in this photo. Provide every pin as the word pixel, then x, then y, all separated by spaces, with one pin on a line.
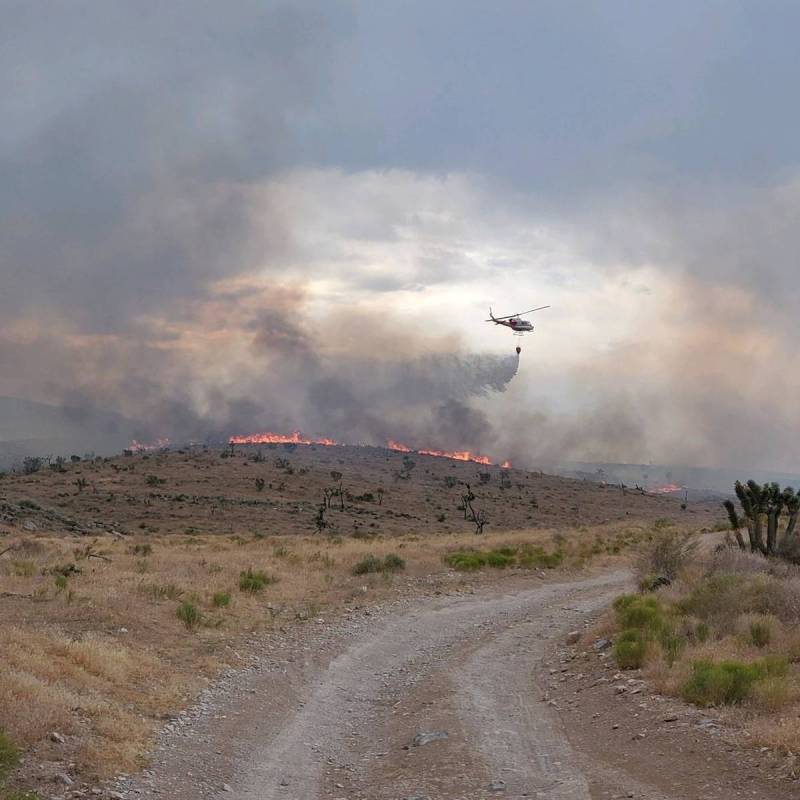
pixel 426 738
pixel 115 795
pixel 602 644
pixel 497 786
pixel 57 737
pixel 62 777
pixel 226 787
pixel 573 637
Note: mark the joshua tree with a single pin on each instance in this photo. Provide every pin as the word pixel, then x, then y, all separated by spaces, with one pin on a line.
pixel 466 501
pixel 337 476
pixel 480 520
pixel 259 484
pixel 758 502
pixel 736 523
pixel 319 520
pixel 791 500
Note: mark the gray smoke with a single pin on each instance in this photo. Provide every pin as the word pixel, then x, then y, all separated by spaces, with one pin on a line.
pixel 154 170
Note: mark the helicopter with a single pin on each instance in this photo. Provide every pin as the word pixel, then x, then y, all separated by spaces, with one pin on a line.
pixel 513 321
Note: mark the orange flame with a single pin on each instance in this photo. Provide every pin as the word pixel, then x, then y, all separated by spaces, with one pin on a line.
pixel 398 446
pixel 147 447
pixel 296 437
pixel 506 465
pixel 267 437
pixel 669 488
pixel 456 455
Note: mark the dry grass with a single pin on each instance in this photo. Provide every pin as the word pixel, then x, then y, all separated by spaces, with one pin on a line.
pixel 93 644
pixel 737 612
pixel 103 660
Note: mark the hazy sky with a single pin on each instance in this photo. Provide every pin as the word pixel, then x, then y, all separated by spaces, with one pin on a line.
pixel 215 216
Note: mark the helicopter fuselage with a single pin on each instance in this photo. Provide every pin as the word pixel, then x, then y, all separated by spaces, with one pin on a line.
pixel 517 325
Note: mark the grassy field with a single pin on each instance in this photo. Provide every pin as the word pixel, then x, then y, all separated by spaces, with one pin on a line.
pixel 127 584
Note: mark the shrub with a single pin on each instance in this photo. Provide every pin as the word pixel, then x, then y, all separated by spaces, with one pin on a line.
pixel 500 559
pixel 221 599
pixel 466 561
pixel 189 615
pixel 646 616
pixel 536 557
pixel 760 633
pixel 156 591
pixel 23 569
pixel 635 611
pixel 61 582
pixel 729 682
pixel 714 598
pixel 9 755
pixel 253 582
pixel 630 649
pixel 773 693
pixel 666 554
pixel 393 563
pixel 366 565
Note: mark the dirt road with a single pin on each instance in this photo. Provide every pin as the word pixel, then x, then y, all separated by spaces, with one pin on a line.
pixel 344 710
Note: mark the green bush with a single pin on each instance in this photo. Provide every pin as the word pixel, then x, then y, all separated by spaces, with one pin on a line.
pixel 500 559
pixel 635 611
pixel 9 755
pixel 646 616
pixel 530 556
pixel 729 682
pixel 221 599
pixel 466 561
pixel 189 615
pixel 630 649
pixel 253 582
pixel 536 557
pixel 393 563
pixel 61 582
pixel 368 564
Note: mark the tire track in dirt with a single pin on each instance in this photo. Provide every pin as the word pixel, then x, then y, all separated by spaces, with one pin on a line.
pixel 334 714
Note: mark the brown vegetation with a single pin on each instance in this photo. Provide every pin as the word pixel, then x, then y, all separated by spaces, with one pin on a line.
pixel 121 598
pixel 723 634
